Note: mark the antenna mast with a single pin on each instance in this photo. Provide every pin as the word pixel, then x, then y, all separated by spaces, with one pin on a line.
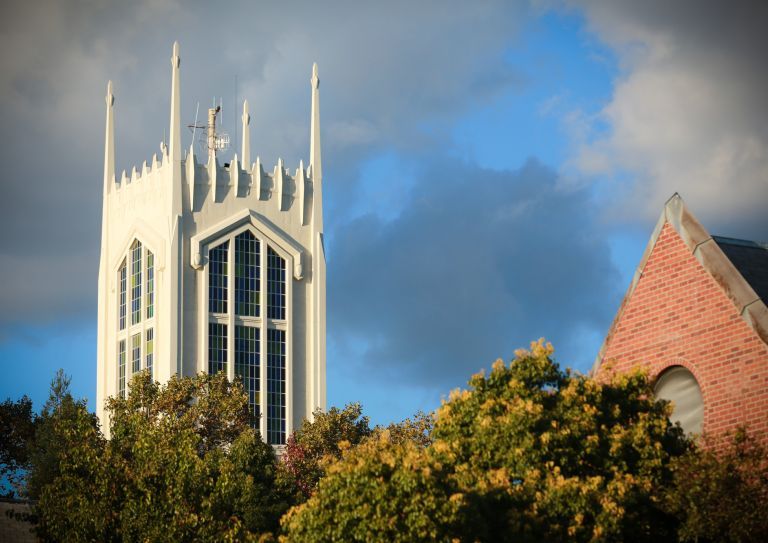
pixel 216 141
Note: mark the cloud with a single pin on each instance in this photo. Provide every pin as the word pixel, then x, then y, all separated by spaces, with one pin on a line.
pixel 688 113
pixel 386 70
pixel 476 264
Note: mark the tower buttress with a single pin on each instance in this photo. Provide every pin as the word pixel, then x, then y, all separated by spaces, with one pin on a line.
pixel 173 300
pixel 103 294
pixel 317 300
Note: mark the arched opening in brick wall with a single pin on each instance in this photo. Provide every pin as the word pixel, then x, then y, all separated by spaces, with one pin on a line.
pixel 679 386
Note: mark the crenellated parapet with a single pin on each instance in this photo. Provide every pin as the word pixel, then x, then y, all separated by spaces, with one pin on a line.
pixel 213 183
pixel 147 172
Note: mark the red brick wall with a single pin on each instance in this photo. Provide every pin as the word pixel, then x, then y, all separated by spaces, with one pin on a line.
pixel 679 315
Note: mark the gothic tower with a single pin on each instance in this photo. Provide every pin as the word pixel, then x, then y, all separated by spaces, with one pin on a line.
pixel 208 268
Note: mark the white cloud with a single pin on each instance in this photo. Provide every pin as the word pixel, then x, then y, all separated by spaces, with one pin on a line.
pixel 688 114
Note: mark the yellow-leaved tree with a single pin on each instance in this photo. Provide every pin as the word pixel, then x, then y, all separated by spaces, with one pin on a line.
pixel 527 453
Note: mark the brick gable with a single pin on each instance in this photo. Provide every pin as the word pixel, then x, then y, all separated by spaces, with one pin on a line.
pixel 678 314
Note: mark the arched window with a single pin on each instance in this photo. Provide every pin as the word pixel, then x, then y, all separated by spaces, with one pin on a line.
pixel 679 386
pixel 135 335
pixel 243 321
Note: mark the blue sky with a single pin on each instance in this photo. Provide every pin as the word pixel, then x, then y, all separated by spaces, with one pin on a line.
pixel 492 172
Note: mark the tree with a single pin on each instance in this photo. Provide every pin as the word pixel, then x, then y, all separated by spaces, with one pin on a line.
pixel 384 489
pixel 62 479
pixel 528 453
pixel 182 464
pixel 17 430
pixel 320 441
pixel 417 430
pixel 720 491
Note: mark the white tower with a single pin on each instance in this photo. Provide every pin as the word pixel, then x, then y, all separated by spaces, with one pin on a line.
pixel 208 268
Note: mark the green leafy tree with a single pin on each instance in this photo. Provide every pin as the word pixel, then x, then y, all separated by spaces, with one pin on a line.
pixel 66 476
pixel 318 442
pixel 17 431
pixel 720 491
pixel 182 464
pixel 527 453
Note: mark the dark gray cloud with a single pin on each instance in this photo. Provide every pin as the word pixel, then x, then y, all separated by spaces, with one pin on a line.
pixel 688 113
pixel 386 69
pixel 477 263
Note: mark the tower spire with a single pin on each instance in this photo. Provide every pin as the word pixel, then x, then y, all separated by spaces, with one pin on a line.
pixel 174 141
pixel 109 141
pixel 246 151
pixel 174 147
pixel 314 153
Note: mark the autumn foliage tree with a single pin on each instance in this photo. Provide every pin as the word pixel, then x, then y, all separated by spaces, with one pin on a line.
pixel 527 453
pixel 319 441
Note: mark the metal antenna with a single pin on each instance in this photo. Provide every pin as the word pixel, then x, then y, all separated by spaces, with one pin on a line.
pixel 194 126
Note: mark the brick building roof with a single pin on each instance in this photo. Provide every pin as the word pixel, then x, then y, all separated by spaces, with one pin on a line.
pixel 751 259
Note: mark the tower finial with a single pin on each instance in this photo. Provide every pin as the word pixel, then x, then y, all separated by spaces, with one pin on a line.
pixel 246 151
pixel 109 141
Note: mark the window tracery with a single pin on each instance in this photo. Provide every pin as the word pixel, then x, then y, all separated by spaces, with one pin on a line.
pixel 243 320
pixel 136 289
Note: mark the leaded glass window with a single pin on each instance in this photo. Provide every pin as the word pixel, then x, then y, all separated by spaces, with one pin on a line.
pixel 136 353
pixel 217 347
pixel 121 368
pixel 136 310
pixel 122 273
pixel 136 282
pixel 149 350
pixel 275 285
pixel 247 364
pixel 275 386
pixel 249 324
pixel 217 278
pixel 247 275
pixel 150 303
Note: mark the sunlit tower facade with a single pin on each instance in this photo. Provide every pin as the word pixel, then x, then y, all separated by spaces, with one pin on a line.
pixel 212 268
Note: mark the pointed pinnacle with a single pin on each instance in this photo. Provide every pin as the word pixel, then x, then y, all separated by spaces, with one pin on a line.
pixel 175 60
pixel 315 79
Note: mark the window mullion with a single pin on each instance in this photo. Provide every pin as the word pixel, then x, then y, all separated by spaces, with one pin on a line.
pixel 263 342
pixel 231 309
pixel 288 347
